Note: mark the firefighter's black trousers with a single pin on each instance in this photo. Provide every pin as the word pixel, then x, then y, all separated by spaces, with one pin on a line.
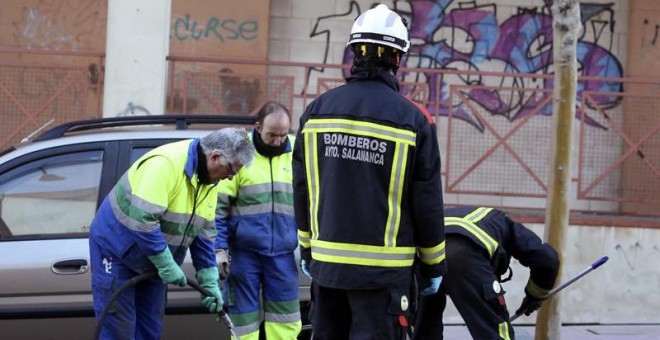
pixel 473 288
pixel 378 314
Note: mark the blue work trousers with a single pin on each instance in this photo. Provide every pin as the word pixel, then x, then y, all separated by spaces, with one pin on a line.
pixel 137 313
pixel 257 278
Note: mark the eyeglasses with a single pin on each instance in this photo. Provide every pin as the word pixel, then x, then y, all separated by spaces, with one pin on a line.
pixel 232 173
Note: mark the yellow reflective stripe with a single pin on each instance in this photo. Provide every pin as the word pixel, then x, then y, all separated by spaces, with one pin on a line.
pixel 362 128
pixel 478 214
pixel 504 331
pixel 403 140
pixel 533 289
pixel 394 195
pixel 433 255
pixel 277 329
pixel 488 242
pixel 303 239
pixel 360 254
pixel 311 167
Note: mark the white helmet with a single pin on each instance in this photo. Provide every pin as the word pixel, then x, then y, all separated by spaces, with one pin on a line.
pixel 382 26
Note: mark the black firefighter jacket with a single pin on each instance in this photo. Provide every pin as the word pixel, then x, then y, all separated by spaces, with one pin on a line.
pixel 367 187
pixel 501 238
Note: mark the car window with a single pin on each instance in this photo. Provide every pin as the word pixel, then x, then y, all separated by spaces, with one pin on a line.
pixel 139 152
pixel 53 195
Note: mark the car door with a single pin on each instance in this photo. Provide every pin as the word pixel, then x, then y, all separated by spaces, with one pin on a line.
pixel 47 201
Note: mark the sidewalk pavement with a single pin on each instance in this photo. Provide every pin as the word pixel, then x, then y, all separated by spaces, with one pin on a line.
pixel 578 332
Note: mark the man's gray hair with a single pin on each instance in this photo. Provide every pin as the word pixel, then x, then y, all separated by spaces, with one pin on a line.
pixel 232 143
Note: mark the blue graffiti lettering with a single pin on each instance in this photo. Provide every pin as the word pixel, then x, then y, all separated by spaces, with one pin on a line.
pixel 521 43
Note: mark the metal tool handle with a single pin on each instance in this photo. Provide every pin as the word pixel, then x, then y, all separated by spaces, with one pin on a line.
pixel 576 277
pixel 150 275
pixel 222 315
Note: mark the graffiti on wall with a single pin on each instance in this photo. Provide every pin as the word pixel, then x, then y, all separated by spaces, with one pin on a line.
pixel 214 28
pixel 67 25
pixel 474 38
pixel 649 43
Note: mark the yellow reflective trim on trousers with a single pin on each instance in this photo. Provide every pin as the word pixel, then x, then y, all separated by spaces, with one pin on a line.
pixel 504 331
pixel 360 254
pixel 311 167
pixel 478 214
pixel 488 242
pixel 281 330
pixel 361 128
pixel 394 195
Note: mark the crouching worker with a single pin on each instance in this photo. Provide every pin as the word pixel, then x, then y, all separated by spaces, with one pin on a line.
pixel 162 206
pixel 480 244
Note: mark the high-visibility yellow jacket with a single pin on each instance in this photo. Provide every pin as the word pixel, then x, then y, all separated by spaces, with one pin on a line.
pixel 255 208
pixel 159 203
pixel 367 189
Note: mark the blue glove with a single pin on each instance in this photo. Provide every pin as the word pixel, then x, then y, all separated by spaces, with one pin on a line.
pixel 304 267
pixel 168 270
pixel 208 279
pixel 430 286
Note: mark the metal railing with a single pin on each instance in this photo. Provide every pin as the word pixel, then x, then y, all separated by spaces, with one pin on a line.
pixel 494 128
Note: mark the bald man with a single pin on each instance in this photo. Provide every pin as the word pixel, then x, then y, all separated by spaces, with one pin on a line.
pixel 256 228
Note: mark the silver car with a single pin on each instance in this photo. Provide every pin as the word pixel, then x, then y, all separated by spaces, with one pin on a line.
pixel 49 191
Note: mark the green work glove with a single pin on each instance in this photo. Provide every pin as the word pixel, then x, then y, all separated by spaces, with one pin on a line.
pixel 168 270
pixel 208 279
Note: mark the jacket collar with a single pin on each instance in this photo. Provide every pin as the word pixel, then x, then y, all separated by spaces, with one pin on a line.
pixel 266 151
pixel 385 77
pixel 191 163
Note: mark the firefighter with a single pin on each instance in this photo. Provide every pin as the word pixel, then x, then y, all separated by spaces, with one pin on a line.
pixel 257 229
pixel 480 244
pixel 367 192
pixel 161 207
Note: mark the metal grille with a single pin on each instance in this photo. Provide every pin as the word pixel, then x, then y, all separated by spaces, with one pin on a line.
pixel 33 96
pixel 498 125
pixel 234 94
pixel 498 154
pixel 620 153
